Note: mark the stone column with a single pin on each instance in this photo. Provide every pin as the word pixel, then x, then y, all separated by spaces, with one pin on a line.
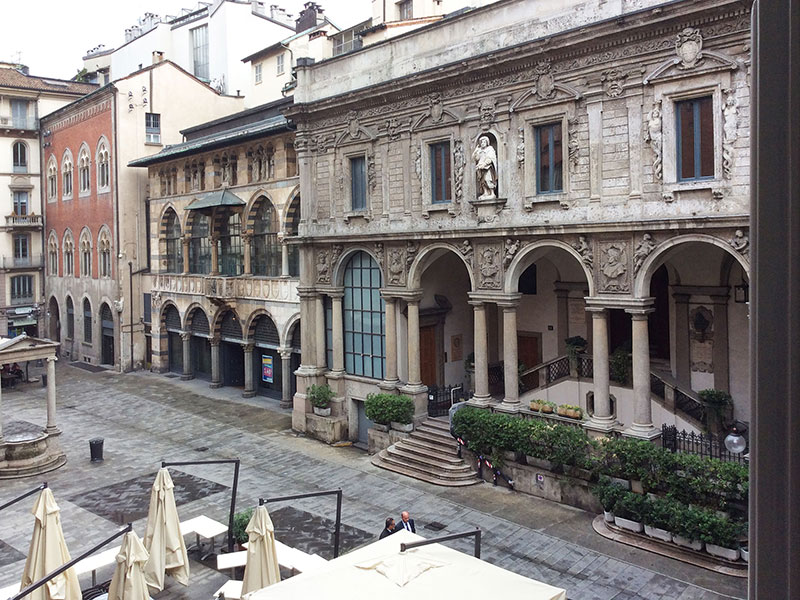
pixel 185 243
pixel 642 425
pixel 720 343
pixel 214 256
pixel 319 310
pixel 249 384
pixel 286 378
pixel 510 357
pixel 51 395
pixel 683 371
pixel 247 245
pixel 284 258
pixel 338 331
pixel 390 379
pixel 562 320
pixel 481 354
pixel 307 354
pixel 186 339
pixel 216 380
pixel 414 372
pixel 602 419
pixel 1 414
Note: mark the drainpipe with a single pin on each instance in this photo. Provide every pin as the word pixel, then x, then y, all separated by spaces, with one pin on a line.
pixel 130 305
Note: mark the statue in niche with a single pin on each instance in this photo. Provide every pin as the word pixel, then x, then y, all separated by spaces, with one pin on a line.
pixel 654 137
pixel 729 115
pixel 486 168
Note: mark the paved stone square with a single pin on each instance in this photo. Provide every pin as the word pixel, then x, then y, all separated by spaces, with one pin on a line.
pixel 145 418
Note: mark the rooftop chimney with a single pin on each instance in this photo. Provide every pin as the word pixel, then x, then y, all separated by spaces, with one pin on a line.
pixel 158 56
pixel 308 17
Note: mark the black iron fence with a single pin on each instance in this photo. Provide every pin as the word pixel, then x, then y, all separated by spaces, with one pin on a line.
pixel 440 398
pixel 701 444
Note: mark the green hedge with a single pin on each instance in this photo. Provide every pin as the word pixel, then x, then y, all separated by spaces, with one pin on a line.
pixel 386 408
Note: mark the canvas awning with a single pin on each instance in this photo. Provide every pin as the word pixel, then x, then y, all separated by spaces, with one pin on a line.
pixel 431 572
pixel 221 197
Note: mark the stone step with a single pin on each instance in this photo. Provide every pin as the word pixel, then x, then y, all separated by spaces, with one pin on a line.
pixel 450 451
pixel 433 435
pixel 433 459
pixel 424 472
pixel 379 462
pixel 439 423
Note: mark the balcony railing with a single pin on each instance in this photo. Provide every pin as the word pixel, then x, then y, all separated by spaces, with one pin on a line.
pixel 27 262
pixel 229 288
pixel 17 300
pixel 29 123
pixel 23 220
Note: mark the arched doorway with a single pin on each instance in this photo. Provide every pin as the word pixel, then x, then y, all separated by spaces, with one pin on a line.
pixel 171 323
pixel 55 320
pixel 266 358
pixel 199 345
pixel 231 351
pixel 106 335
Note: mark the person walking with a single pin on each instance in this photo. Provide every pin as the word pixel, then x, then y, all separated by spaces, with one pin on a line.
pixel 389 529
pixel 406 522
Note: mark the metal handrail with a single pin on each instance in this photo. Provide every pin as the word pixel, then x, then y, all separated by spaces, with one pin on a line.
pixel 446 538
pixel 41 486
pixel 337 527
pixel 235 462
pixel 37 584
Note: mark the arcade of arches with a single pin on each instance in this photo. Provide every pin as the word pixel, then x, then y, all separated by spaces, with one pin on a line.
pixel 494 317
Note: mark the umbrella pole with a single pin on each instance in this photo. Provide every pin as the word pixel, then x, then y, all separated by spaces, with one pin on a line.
pixel 36 585
pixel 445 538
pixel 23 496
pixel 337 527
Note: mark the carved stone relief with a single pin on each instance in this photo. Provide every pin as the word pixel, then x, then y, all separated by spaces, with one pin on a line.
pixel 729 122
pixel 512 246
pixel 545 83
pixel 353 126
pixel 521 147
pixel 487 112
pixel 411 252
pixel 397 266
pixel 416 156
pixel 155 300
pixel 489 268
pixel 643 250
pixel 740 242
pixel 614 267
pixel 467 251
pixel 585 250
pixel 689 47
pixel 323 266
pixel 654 138
pixel 613 81
pixel 459 160
pixel 395 127
pixel 372 179
pixel 379 253
pixel 573 145
pixel 435 107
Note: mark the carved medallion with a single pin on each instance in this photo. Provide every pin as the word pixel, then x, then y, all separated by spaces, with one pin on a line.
pixel 397 266
pixel 352 124
pixel 614 267
pixel 489 268
pixel 689 47
pixel 545 83
pixel 613 81
pixel 436 110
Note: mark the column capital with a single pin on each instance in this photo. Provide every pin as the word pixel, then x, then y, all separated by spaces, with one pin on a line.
pixel 639 314
pixel 597 312
pixel 410 296
pixel 52 359
pixel 477 304
pixel 186 336
pixel 334 292
pixel 248 347
pixel 286 353
pixel 214 341
pixel 307 292
pixel 510 301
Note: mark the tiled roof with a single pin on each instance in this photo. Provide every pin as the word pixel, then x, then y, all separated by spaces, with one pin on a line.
pixel 15 79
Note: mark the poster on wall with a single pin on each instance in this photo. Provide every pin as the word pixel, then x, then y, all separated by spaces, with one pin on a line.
pixel 266 368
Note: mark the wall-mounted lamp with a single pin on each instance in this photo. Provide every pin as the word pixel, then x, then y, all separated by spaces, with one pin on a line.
pixel 741 293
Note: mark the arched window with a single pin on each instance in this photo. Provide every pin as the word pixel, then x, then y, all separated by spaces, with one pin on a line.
pixel 84 186
pixel 69 255
pixel 174 242
pixel 230 245
pixel 70 318
pixel 104 253
pixel 266 252
pixel 103 166
pixel 52 253
pixel 66 176
pixel 293 229
pixel 52 179
pixel 87 321
pixel 86 253
pixel 20 151
pixel 363 308
pixel 200 246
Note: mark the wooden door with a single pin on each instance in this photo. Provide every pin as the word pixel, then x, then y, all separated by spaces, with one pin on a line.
pixel 428 361
pixel 528 350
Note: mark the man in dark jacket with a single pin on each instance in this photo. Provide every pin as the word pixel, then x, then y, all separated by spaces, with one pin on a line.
pixel 389 529
pixel 406 523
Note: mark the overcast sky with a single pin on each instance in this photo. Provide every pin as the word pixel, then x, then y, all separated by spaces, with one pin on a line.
pixel 52 36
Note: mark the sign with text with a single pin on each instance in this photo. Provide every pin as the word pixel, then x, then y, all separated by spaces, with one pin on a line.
pixel 266 368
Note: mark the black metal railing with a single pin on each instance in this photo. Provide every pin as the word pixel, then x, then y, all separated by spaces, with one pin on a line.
pixel 657 385
pixel 691 406
pixel 585 366
pixel 441 398
pixel 701 444
pixel 558 369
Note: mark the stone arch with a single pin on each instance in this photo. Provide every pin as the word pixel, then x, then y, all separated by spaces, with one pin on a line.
pixel 248 327
pixel 528 255
pixel 21 153
pixel 219 315
pixel 428 256
pixel 251 210
pixel 162 315
pixel 337 277
pixel 253 327
pixel 162 219
pixel 188 315
pixel 660 254
pixel 227 324
pixel 291 210
pixel 289 331
pixel 54 319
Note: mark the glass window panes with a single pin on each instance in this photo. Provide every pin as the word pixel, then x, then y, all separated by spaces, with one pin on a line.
pixel 364 322
pixel 231 256
pixel 695 138
pixel 358 183
pixel 440 172
pixel 548 159
pixel 174 241
pixel 266 251
pixel 200 52
pixel 20 153
pixel 87 321
pixel 20 203
pixel 200 246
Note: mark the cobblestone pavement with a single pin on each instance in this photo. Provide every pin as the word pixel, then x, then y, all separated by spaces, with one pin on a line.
pixel 145 418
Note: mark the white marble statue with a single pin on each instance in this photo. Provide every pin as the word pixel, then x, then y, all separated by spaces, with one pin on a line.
pixel 486 168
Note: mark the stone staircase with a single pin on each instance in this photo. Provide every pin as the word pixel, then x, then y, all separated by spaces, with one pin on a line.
pixel 430 454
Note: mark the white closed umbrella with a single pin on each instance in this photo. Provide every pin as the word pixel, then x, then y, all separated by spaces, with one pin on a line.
pixel 163 539
pixel 47 552
pixel 262 567
pixel 128 582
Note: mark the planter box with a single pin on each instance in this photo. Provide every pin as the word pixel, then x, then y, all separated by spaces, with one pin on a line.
pixel 548 410
pixel 404 427
pixel 379 427
pixel 578 473
pixel 535 406
pixel 625 484
pixel 722 552
pixel 322 412
pixel 745 552
pixel 659 534
pixel 608 516
pixel 634 526
pixel 637 487
pixel 510 456
pixel 539 462
pixel 686 543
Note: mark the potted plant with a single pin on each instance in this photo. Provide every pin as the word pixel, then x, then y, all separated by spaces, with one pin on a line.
pixel 562 410
pixel 721 536
pixel 717 403
pixel 660 518
pixel 686 529
pixel 320 397
pixel 572 411
pixel 575 345
pixel 240 521
pixel 630 511
pixel 548 407
pixel 378 409
pixel 608 494
pixel 536 405
pixel 402 418
pixel 744 551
